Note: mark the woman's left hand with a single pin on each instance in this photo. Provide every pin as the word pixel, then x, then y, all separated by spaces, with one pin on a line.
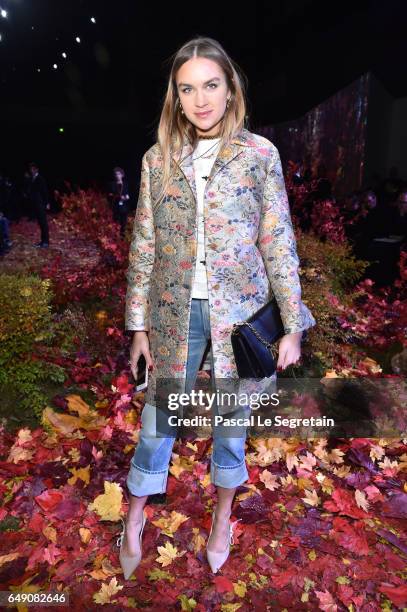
pixel 289 350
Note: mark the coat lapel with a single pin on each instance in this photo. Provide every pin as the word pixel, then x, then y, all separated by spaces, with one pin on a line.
pixel 224 157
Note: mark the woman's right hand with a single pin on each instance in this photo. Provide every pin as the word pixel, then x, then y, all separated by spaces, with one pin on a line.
pixel 140 346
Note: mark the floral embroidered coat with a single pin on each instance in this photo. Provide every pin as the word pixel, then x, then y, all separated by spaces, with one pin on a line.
pixel 250 252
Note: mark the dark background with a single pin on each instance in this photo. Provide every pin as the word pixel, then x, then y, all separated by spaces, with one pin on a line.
pixel 107 94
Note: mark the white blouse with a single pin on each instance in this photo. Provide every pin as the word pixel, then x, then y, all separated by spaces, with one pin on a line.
pixel 202 168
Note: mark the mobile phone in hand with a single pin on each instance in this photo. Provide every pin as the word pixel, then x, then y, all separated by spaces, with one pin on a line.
pixel 142 374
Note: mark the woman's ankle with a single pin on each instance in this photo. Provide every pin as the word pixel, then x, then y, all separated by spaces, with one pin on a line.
pixel 135 515
pixel 134 521
pixel 222 513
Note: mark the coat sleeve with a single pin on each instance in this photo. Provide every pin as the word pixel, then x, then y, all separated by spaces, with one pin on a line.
pixel 277 245
pixel 141 257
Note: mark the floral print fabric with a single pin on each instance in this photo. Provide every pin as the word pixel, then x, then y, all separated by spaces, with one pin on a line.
pixel 250 253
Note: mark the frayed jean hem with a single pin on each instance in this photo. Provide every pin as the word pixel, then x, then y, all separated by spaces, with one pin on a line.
pixel 140 482
pixel 228 477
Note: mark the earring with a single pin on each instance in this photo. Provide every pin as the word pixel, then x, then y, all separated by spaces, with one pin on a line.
pixel 180 107
pixel 227 103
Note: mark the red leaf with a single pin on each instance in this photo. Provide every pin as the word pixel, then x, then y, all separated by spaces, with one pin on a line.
pixel 253 474
pixel 352 539
pixel 223 585
pixel 345 594
pixel 36 523
pixel 353 542
pixel 397 594
pixel 343 502
pixel 280 581
pixel 122 384
pixel 49 499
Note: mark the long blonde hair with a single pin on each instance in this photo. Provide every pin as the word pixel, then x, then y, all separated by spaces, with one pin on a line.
pixel 174 128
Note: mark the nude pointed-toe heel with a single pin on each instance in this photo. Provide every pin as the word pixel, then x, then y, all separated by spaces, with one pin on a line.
pixel 217 559
pixel 129 563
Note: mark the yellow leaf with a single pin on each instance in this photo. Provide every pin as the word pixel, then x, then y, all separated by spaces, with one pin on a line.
pixel 108 505
pixel 82 473
pixel 376 452
pixel 18 453
pixel 239 588
pixel 312 555
pixel 388 464
pixel 98 560
pixel 98 574
pixel 50 533
pixel 270 480
pixel 85 534
pixel 107 591
pixel 254 491
pixel 180 464
pixel 230 607
pixel 10 557
pixel 168 553
pixel 187 604
pixel 198 541
pixel 327 486
pixel 342 471
pixel 311 498
pixel 291 460
pixel 159 574
pixel 106 571
pixel 331 374
pixel 287 480
pixel 24 435
pixel 205 481
pixel 76 404
pixel 336 456
pixel 268 450
pixel 24 588
pixel 74 454
pixel 170 524
pixel 371 365
pixel 361 501
pixel 304 483
pixel 66 423
pixel 131 417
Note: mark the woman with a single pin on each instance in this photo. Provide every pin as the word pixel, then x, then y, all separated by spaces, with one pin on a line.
pixel 119 198
pixel 212 242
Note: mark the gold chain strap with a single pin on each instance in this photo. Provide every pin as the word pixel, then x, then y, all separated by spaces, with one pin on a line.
pixel 273 350
pixel 271 347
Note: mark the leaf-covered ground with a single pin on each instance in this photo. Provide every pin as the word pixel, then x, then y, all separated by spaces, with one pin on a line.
pixel 322 521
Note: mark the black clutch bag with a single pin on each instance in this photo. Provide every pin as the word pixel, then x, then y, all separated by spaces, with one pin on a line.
pixel 253 342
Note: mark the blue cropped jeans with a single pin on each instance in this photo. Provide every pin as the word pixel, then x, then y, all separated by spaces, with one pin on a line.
pixel 148 472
